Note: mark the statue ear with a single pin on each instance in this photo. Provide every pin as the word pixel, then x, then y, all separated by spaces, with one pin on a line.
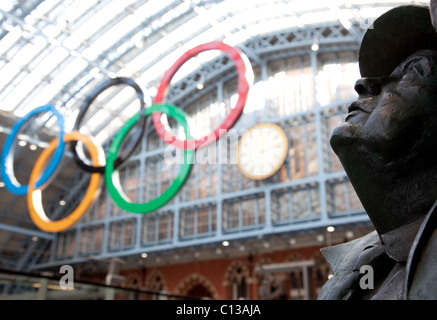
pixel 433 13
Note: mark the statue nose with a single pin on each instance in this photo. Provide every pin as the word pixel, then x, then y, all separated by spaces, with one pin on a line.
pixel 369 86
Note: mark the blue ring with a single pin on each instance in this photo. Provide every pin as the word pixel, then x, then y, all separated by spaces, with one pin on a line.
pixel 7 157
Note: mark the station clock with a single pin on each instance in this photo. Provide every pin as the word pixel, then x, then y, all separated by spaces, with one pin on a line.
pixel 262 150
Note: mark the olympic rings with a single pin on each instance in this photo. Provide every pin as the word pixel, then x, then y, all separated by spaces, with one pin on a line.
pixel 113 178
pixel 116 156
pixel 245 79
pixel 7 162
pixel 79 156
pixel 34 197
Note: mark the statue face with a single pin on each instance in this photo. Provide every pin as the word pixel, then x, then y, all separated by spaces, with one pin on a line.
pixel 393 115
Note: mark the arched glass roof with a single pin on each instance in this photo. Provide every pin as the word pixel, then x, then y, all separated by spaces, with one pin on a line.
pixel 55 51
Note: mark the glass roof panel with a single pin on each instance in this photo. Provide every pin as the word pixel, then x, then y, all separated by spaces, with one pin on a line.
pixel 59 50
pixel 11 37
pixel 67 73
pixel 149 8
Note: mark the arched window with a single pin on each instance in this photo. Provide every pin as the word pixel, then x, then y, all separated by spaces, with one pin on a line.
pixel 155 282
pixel 197 286
pixel 236 281
pixel 238 285
pixel 132 282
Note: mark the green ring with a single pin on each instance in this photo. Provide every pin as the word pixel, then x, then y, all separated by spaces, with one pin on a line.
pixel 112 176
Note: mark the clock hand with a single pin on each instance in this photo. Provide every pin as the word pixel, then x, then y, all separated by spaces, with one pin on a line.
pixel 262 145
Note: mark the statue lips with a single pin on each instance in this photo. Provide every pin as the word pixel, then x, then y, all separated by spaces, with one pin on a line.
pixel 354 109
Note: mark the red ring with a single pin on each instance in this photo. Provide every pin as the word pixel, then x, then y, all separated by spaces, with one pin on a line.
pixel 243 67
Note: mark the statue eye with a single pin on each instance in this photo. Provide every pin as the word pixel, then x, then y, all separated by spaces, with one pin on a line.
pixel 419 67
pixel 412 68
pixel 413 71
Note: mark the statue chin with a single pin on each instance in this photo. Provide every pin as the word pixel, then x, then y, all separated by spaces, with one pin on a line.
pixel 343 135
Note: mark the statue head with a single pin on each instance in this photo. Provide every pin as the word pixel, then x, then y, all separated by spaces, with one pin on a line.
pixel 388 142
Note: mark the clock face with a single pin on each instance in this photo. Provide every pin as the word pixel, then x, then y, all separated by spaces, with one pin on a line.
pixel 262 151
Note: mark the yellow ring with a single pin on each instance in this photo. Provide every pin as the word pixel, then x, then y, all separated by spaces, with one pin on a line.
pixel 34 196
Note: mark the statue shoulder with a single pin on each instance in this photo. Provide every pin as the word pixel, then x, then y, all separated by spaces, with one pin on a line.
pixel 424 279
pixel 343 259
pixel 344 255
pixel 421 273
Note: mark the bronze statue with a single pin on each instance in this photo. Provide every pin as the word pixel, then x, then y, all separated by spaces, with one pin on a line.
pixel 388 148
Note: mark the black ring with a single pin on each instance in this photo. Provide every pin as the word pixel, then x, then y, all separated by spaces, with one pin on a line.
pixel 135 136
